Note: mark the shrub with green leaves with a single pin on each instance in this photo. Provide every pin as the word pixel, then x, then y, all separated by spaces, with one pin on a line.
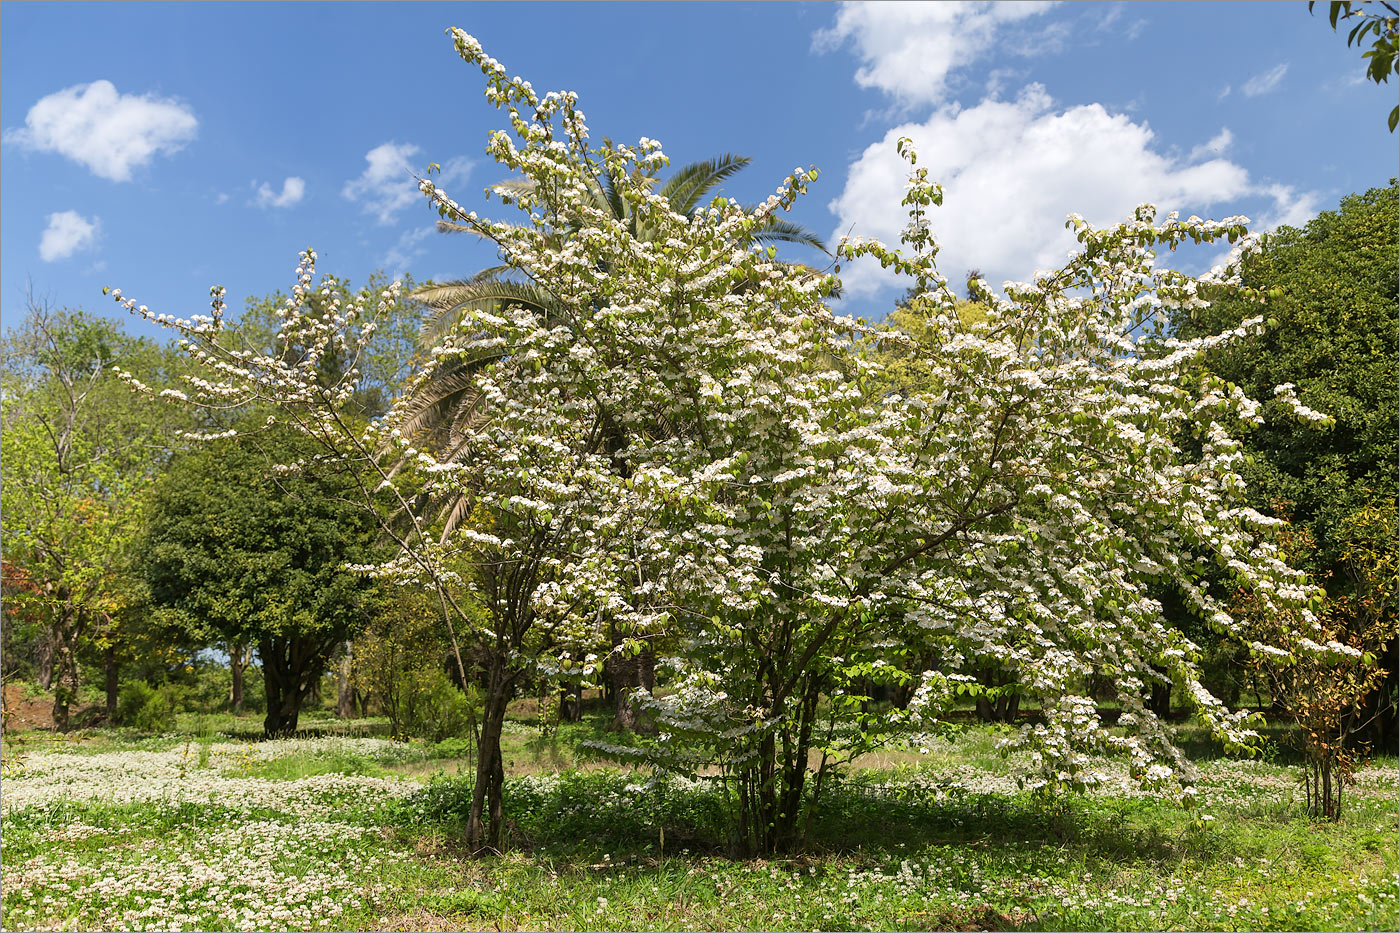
pixel 146 708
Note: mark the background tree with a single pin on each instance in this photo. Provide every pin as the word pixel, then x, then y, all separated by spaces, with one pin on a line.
pixel 80 451
pixel 248 555
pixel 1327 698
pixel 1332 335
pixel 401 665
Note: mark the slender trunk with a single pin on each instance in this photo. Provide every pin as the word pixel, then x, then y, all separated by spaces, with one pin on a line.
pixel 109 661
pixel 786 835
pixel 239 655
pixel 65 683
pixel 484 820
pixel 43 659
pixel 345 699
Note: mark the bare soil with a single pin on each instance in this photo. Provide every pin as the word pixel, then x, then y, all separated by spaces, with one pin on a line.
pixel 23 712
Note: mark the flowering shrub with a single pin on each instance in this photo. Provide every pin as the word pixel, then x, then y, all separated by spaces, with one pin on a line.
pixel 687 444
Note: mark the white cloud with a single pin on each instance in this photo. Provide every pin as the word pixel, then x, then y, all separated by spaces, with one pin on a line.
pixel 222 198
pixel 108 132
pixel 911 50
pixel 68 232
pixel 1291 207
pixel 1265 82
pixel 998 78
pixel 1224 93
pixel 293 190
pixel 1217 145
pixel 406 250
pixel 1012 170
pixel 387 185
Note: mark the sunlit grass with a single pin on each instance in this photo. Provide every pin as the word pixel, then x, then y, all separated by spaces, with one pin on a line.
pixel 217 829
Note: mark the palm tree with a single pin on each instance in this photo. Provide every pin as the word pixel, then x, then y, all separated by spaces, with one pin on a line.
pixel 443 412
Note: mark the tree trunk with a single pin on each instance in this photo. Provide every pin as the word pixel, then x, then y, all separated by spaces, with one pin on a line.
pixel 283 703
pixel 109 661
pixel 66 679
pixel 345 697
pixel 43 659
pixel 239 655
pixel 1161 701
pixel 291 669
pixel 627 675
pixel 1380 707
pixel 484 820
pixel 571 703
pixel 1005 706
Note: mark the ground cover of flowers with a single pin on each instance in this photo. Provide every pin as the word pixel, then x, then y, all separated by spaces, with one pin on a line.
pixel 327 833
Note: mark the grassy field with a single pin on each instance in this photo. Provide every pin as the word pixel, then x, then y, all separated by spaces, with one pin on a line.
pixel 342 830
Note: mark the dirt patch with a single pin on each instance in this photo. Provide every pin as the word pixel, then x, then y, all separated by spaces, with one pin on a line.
pixel 23 712
pixel 424 920
pixel 975 919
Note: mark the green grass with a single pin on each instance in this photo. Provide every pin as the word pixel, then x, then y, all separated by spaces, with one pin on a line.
pixel 339 832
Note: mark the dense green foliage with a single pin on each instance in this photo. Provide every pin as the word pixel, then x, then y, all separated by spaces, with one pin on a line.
pixel 80 450
pixel 247 554
pixel 1332 332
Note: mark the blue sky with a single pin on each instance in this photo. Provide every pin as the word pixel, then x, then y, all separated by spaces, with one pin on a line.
pixel 163 148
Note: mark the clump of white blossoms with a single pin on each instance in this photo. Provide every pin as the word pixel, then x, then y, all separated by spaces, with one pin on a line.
pixel 686 445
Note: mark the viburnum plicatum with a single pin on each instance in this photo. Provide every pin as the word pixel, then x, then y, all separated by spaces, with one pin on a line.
pixel 687 445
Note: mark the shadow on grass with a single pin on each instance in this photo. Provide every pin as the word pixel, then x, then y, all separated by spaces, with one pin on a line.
pixel 587 814
pixel 1280 744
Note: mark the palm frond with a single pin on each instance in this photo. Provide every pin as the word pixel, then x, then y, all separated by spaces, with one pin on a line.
pixel 455 511
pixel 778 230
pixel 692 182
pixel 436 407
pixel 611 197
pixel 449 301
pixel 515 186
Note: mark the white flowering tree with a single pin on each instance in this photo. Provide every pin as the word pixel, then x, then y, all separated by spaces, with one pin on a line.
pixel 690 442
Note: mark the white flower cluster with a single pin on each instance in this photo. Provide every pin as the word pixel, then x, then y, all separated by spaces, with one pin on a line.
pixel 1287 394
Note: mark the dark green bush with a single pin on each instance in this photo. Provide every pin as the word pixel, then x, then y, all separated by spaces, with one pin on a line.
pixel 433 708
pixel 453 747
pixel 147 708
